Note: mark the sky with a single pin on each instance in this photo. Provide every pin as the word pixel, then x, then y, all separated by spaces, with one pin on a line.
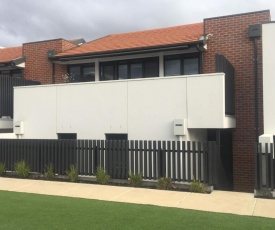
pixel 24 21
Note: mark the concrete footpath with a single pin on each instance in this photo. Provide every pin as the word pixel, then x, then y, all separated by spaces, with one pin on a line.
pixel 217 201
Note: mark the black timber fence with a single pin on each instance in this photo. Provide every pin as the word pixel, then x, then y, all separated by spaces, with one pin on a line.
pixel 6 92
pixel 181 161
pixel 264 166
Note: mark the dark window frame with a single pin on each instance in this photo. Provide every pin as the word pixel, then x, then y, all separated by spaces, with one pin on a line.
pixel 127 62
pixel 82 66
pixel 12 72
pixel 67 136
pixel 182 57
pixel 116 136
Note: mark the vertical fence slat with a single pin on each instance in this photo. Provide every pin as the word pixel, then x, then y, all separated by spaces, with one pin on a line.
pixel 154 160
pixel 119 158
pixel 159 160
pixel 163 160
pixel 188 162
pixel 199 162
pixel 145 160
pixel 173 159
pixel 271 168
pixel 150 155
pixel 205 163
pixel 127 158
pixel 132 156
pixel 137 152
pixel 168 161
pixel 194 159
pixel 184 163
pixel 178 162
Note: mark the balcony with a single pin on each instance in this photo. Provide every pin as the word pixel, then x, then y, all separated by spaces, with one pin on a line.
pixel 142 108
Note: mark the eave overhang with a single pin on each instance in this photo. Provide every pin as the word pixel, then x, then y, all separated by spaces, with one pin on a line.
pixel 18 63
pixel 132 51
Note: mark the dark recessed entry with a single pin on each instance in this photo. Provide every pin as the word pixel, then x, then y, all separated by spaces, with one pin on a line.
pixel 67 136
pixel 116 136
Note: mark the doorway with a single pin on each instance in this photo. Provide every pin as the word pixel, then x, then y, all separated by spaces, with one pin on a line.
pixel 224 139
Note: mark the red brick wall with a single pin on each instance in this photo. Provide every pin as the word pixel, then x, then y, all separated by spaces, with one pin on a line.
pixel 230 38
pixel 37 65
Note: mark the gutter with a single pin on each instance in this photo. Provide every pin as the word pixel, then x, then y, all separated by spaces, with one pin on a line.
pixel 113 53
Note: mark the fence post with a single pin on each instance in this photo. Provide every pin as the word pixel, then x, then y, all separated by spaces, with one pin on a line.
pixel 260 166
pixel 163 160
pixel 267 184
pixel 256 166
pixel 271 168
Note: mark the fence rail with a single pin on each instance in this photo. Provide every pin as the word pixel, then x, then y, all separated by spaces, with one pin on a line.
pixel 181 161
pixel 264 166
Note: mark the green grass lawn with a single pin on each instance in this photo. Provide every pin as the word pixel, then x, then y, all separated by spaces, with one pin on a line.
pixel 31 211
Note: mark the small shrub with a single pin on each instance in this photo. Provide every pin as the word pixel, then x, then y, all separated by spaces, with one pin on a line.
pixel 101 176
pixel 72 174
pixel 22 169
pixel 135 180
pixel 197 186
pixel 164 183
pixel 49 172
pixel 2 169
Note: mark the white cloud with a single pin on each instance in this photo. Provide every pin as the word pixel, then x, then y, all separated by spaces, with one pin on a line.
pixel 32 20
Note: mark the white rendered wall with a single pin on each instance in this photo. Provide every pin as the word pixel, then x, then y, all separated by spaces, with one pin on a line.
pixel 142 108
pixel 36 107
pixel 268 33
pixel 91 110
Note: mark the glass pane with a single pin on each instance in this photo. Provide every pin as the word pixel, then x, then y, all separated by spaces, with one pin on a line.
pixel 191 66
pixel 89 73
pixel 74 74
pixel 136 70
pixel 108 72
pixel 122 71
pixel 172 67
pixel 16 73
pixel 151 69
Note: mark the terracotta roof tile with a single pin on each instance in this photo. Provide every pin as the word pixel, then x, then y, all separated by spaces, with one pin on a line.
pixel 10 53
pixel 140 39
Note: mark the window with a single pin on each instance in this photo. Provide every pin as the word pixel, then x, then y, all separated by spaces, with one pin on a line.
pixel 107 71
pixel 16 73
pixel 75 73
pixel 136 70
pixel 88 73
pixel 122 71
pixel 12 73
pixel 181 65
pixel 116 136
pixel 191 66
pixel 151 68
pixel 129 69
pixel 66 136
pixel 81 73
pixel 172 67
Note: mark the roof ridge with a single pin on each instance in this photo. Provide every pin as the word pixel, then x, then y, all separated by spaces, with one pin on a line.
pixel 11 47
pixel 156 29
